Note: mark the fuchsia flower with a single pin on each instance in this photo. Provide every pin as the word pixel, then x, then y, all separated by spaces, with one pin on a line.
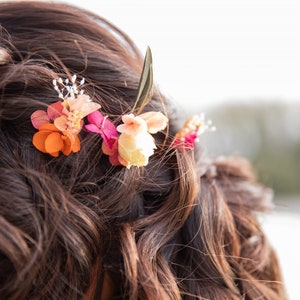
pixel 104 127
pixel 188 135
pixel 107 130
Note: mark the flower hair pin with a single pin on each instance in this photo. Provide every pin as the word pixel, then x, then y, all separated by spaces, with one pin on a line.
pixel 59 126
pixel 187 137
pixel 129 144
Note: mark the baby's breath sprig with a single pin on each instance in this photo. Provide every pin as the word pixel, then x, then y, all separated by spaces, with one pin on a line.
pixel 68 89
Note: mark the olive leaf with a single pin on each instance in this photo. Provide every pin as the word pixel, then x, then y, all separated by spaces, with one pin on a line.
pixel 145 84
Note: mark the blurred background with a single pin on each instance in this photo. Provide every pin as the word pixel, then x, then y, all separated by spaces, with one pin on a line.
pixel 239 61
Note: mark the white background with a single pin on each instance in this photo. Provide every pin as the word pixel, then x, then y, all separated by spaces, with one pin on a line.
pixel 210 52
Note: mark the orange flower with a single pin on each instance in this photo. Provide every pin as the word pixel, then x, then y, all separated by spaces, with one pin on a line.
pixel 51 140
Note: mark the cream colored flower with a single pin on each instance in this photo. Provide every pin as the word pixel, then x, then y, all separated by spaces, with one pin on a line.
pixel 136 149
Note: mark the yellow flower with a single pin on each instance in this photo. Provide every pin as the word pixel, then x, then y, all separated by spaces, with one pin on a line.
pixel 135 150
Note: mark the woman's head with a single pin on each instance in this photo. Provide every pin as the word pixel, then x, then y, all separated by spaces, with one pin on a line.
pixel 74 227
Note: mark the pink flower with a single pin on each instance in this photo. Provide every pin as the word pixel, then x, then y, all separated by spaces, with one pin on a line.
pixel 188 135
pixel 75 109
pixel 82 103
pixel 186 142
pixel 155 121
pixel 104 127
pixel 40 117
pixel 151 122
pixel 132 125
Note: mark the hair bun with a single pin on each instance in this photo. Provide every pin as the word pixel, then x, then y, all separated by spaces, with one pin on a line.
pixel 5 57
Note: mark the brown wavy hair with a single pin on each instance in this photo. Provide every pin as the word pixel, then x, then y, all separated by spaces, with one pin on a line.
pixel 183 227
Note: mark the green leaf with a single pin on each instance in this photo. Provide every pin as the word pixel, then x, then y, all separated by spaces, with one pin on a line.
pixel 145 84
